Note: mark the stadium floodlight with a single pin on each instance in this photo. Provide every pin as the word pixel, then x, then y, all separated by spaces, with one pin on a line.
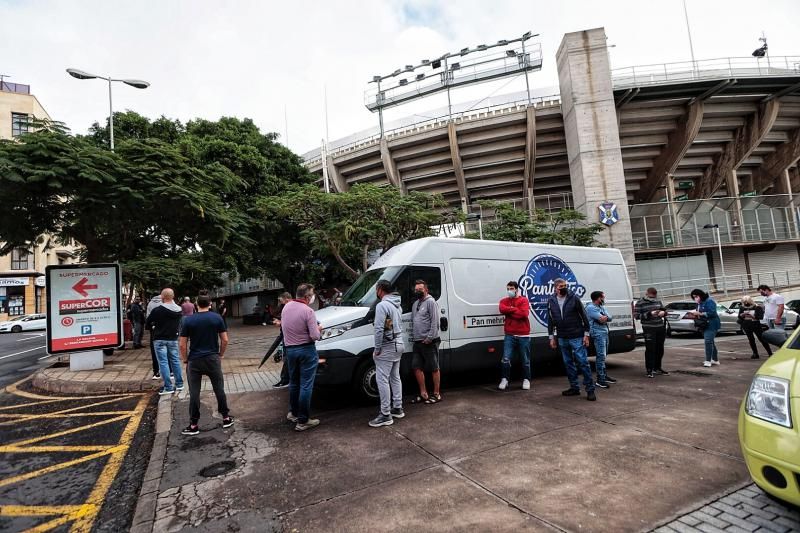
pixel 455 66
pixel 426 61
pixel 409 67
pixel 420 77
pixel 502 42
pixel 511 53
pixel 396 72
pixel 464 51
pixel 481 47
pixel 404 82
pixel 527 35
pixel 436 63
pixel 376 78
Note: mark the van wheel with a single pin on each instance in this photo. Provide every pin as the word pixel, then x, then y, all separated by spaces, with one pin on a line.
pixel 364 385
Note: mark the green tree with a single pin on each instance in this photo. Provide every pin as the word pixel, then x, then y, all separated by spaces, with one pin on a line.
pixel 566 226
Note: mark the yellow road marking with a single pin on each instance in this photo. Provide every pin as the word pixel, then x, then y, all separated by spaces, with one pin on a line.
pixel 39 510
pixel 69 431
pixel 25 418
pixel 48 449
pixel 60 466
pixel 14 389
pixel 67 415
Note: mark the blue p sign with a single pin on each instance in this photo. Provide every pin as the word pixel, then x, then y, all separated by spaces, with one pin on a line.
pixel 86 330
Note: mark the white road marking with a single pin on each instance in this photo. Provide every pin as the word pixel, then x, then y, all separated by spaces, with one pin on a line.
pixel 46 357
pixel 29 338
pixel 22 352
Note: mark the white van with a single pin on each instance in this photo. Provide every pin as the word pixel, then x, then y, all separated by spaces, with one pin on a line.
pixel 468 278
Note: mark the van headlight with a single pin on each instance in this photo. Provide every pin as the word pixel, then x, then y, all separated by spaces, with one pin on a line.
pixel 768 399
pixel 335 331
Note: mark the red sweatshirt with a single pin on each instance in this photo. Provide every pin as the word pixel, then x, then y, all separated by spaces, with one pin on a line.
pixel 516 311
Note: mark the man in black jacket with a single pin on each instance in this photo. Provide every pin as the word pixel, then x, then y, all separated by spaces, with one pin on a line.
pixel 165 321
pixel 568 328
pixel 652 314
pixel 136 317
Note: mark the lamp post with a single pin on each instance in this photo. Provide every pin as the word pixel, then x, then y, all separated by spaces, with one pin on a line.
pixel 476 216
pixel 139 84
pixel 715 227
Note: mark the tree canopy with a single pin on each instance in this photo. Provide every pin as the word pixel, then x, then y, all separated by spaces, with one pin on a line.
pixel 565 226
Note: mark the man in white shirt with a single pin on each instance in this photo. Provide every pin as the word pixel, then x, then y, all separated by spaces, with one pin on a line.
pixel 773 307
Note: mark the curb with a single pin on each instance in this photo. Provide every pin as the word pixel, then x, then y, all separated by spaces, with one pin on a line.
pixel 46 383
pixel 145 513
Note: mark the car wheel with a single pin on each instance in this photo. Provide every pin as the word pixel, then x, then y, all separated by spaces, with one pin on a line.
pixel 16 329
pixel 365 386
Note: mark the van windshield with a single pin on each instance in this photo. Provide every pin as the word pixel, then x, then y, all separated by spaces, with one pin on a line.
pixel 362 293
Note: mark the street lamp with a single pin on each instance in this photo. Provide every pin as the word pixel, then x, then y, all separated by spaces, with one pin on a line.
pixel 473 217
pixel 715 227
pixel 139 84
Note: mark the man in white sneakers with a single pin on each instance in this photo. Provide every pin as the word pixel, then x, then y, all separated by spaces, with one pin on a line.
pixel 517 328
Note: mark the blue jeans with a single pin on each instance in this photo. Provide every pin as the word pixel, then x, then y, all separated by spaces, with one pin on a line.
pixel 711 347
pixel 168 362
pixel 302 361
pixel 777 324
pixel 572 349
pixel 600 340
pixel 522 345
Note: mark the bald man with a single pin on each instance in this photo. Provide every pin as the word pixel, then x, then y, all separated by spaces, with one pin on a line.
pixel 165 321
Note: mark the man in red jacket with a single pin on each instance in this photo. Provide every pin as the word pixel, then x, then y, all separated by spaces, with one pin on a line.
pixel 517 328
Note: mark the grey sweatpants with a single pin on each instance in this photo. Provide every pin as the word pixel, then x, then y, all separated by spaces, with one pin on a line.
pixel 387 376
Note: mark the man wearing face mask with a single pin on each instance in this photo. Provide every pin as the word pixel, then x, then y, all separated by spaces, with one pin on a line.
pixel 425 334
pixel 651 312
pixel 568 328
pixel 599 317
pixel 517 328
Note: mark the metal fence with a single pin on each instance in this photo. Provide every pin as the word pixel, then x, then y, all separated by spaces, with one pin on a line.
pixel 18 88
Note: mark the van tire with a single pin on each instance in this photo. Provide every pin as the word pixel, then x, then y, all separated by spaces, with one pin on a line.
pixel 364 386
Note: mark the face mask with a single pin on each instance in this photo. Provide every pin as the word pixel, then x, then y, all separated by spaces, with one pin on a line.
pixel 419 294
pixel 562 291
pixel 697 299
pixel 511 294
pixel 602 302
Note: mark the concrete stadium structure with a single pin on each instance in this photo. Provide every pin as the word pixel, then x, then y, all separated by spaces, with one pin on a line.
pixel 675 147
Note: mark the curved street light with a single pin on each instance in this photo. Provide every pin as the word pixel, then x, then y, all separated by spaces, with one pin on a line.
pixel 83 75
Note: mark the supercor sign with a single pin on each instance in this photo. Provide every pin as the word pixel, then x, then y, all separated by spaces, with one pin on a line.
pixel 84 307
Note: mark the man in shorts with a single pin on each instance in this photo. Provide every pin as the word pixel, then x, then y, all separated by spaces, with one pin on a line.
pixel 425 321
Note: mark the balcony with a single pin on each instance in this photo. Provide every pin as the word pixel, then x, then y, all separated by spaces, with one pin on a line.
pixel 17 88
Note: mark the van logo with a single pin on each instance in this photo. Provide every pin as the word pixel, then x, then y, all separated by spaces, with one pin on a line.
pixel 536 284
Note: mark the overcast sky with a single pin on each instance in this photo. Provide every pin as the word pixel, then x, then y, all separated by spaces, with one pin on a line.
pixel 265 60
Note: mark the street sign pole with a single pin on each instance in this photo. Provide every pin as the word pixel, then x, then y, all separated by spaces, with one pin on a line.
pixel 84 312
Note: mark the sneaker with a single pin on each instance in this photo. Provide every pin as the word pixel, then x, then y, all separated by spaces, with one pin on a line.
pixel 650 375
pixel 591 397
pixel 609 379
pixel 571 392
pixel 397 412
pixel 179 389
pixel 191 429
pixel 503 384
pixel 311 423
pixel 601 384
pixel 162 391
pixel 715 362
pixel 281 385
pixel 662 372
pixel 755 356
pixel 526 384
pixel 706 363
pixel 381 420
pixel 291 418
pixel 227 421
pixel 156 376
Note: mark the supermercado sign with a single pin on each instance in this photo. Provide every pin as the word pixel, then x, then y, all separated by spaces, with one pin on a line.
pixel 84 307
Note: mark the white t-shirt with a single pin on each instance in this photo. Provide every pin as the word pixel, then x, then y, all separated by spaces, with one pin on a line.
pixel 771 304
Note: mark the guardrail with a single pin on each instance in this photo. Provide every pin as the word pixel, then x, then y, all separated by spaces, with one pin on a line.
pixel 735 286
pixel 667 238
pixel 18 88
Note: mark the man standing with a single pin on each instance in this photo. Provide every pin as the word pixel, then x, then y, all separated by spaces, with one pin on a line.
pixel 773 308
pixel 165 322
pixel 300 332
pixel 568 328
pixel 154 302
pixel 283 299
pixel 187 307
pixel 651 312
pixel 136 317
pixel 599 317
pixel 203 341
pixel 387 354
pixel 517 328
pixel 223 312
pixel 425 335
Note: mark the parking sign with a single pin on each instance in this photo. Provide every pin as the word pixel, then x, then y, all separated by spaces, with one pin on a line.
pixel 84 307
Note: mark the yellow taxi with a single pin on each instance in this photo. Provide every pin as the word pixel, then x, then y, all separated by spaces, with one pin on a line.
pixel 769 421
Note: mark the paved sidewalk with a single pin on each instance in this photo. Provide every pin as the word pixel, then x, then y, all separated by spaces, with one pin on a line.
pixel 131 370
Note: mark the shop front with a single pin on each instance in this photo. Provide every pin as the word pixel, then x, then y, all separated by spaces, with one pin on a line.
pixel 19 296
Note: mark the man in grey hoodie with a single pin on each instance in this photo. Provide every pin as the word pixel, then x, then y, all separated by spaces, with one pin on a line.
pixel 165 321
pixel 388 351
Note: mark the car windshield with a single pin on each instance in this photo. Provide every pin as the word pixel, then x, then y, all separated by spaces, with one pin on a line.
pixel 17 318
pixel 362 293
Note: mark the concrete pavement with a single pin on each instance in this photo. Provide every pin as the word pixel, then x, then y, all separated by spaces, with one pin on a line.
pixel 647 452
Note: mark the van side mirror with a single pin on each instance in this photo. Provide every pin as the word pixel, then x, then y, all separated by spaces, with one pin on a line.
pixel 443 324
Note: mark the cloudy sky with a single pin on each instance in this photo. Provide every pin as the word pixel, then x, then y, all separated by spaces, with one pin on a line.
pixel 275 60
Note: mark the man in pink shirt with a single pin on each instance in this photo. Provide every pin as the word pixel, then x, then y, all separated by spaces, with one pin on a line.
pixel 187 307
pixel 300 332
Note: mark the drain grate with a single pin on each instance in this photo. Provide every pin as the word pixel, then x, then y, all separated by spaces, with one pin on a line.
pixel 218 469
pixel 693 373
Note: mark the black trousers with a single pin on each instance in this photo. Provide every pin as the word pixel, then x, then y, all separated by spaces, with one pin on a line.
pixel 153 357
pixel 752 333
pixel 210 366
pixel 654 347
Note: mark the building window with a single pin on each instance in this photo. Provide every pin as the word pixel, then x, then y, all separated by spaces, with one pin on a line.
pixel 20 124
pixel 19 259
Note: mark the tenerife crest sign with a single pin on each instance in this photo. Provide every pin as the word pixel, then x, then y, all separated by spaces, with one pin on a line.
pixel 537 283
pixel 609 214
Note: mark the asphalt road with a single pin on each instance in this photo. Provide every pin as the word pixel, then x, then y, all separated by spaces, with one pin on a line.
pixel 22 354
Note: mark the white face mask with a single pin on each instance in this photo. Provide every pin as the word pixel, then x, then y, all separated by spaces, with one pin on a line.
pixel 313 297
pixel 511 294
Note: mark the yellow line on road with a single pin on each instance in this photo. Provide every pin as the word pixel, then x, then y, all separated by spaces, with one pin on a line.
pixel 67 415
pixel 69 431
pixel 25 418
pixel 39 510
pixel 48 449
pixel 60 466
pixel 14 389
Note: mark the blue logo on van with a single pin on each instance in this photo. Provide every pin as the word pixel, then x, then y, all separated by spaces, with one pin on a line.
pixel 536 284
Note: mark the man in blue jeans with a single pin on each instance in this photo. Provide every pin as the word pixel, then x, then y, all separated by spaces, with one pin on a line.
pixel 599 317
pixel 165 321
pixel 300 332
pixel 568 328
pixel 517 329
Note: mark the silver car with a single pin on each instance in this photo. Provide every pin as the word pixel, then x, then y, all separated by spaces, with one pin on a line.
pixel 792 318
pixel 679 322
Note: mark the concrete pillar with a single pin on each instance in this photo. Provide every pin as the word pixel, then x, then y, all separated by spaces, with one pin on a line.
pixel 592 134
pixel 732 186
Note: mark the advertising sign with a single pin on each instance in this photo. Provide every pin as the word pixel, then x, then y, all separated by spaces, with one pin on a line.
pixel 538 283
pixel 84 307
pixel 13 282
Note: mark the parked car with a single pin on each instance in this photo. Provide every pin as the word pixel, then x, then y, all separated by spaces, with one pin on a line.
pixel 769 423
pixel 792 316
pixel 793 305
pixel 24 323
pixel 679 322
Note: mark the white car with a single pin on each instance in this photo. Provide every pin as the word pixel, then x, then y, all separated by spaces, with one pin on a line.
pixel 792 318
pixel 679 322
pixel 24 323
